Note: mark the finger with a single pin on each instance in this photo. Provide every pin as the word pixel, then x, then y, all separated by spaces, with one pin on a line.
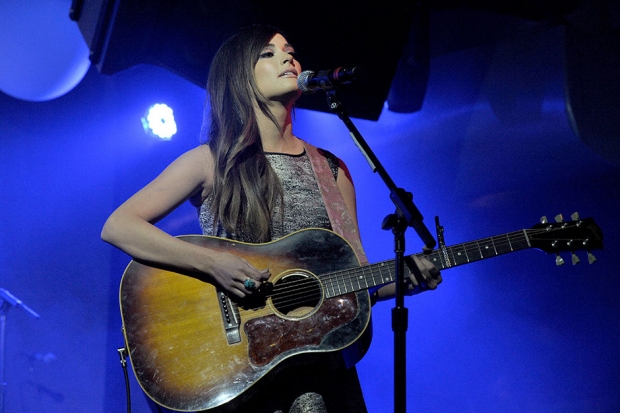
pixel 238 292
pixel 432 283
pixel 254 281
pixel 428 276
pixel 250 284
pixel 434 276
pixel 253 272
pixel 264 275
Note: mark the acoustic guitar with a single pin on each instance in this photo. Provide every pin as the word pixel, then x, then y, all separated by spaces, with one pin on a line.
pixel 194 348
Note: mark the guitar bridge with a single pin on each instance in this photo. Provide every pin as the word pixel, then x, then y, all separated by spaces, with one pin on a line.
pixel 230 318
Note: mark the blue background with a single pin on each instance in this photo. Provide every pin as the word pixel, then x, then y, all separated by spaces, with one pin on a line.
pixel 511 334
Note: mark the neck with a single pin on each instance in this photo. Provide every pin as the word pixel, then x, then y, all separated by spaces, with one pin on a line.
pixel 280 137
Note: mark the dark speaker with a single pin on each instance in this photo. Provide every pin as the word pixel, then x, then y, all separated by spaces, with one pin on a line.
pixel 183 35
pixel 411 79
pixel 592 76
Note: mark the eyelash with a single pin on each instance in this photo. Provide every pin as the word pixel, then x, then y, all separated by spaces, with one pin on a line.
pixel 266 55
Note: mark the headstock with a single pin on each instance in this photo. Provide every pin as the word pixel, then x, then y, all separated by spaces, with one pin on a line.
pixel 571 236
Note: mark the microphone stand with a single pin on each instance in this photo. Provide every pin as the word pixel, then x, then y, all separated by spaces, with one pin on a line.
pixel 7 300
pixel 406 215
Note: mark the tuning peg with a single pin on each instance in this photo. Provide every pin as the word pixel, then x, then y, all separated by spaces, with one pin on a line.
pixel 591 258
pixel 559 218
pixel 575 259
pixel 559 260
pixel 544 220
pixel 575 216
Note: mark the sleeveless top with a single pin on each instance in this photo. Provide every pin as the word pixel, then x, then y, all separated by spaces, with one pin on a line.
pixel 303 204
pixel 303 389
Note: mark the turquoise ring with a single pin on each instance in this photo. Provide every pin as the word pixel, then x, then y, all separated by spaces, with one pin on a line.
pixel 249 284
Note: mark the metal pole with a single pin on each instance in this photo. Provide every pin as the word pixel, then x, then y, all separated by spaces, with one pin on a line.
pixel 2 351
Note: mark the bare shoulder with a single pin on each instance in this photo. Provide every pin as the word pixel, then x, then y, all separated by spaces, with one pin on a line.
pixel 187 176
pixel 200 155
pixel 197 166
pixel 196 163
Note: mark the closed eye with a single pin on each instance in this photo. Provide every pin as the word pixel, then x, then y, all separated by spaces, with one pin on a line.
pixel 268 54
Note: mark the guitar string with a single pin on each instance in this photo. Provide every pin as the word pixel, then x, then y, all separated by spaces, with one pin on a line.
pixel 301 291
pixel 354 272
pixel 472 250
pixel 350 277
pixel 339 282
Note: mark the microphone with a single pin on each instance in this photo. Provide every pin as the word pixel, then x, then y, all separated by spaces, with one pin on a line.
pixel 309 83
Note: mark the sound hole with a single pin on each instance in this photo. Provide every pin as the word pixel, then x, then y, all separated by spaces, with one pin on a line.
pixel 296 295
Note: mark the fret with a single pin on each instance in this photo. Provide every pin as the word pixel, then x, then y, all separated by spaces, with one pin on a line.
pixel 459 255
pixel 487 248
pixel 479 250
pixel 339 283
pixel 347 282
pixel 353 281
pixel 329 282
pixel 471 253
pixel 435 258
pixel 382 268
pixel 467 245
pixel 501 246
pixel 364 278
pixel 356 280
pixel 344 282
pixel 370 278
pixel 520 241
pixel 527 239
pixel 450 256
pixel 390 276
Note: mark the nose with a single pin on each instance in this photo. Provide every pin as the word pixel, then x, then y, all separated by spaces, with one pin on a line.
pixel 288 58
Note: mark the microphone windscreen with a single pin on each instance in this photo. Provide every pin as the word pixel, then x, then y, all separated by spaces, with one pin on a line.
pixel 303 81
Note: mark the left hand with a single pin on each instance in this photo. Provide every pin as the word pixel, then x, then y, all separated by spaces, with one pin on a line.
pixel 431 278
pixel 428 279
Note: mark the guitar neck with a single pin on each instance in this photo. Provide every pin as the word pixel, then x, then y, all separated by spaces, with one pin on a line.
pixel 362 278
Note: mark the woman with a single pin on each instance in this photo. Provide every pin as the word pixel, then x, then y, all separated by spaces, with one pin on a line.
pixel 253 181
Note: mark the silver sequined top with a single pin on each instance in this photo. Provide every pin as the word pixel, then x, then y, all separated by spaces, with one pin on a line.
pixel 303 203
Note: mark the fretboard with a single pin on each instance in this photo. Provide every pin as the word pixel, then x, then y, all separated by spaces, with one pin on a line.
pixel 362 278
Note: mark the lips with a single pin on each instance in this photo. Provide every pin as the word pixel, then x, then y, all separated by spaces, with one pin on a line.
pixel 289 72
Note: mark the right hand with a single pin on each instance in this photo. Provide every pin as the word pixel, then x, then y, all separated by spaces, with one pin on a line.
pixel 230 273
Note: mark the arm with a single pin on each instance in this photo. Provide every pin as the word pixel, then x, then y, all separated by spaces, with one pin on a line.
pixel 430 273
pixel 131 226
pixel 345 185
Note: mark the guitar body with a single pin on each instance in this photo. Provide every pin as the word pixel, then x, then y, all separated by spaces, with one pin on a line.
pixel 192 348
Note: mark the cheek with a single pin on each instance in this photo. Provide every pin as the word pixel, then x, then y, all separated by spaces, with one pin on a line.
pixel 259 75
pixel 263 72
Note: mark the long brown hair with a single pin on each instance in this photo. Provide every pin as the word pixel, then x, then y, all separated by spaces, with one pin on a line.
pixel 245 187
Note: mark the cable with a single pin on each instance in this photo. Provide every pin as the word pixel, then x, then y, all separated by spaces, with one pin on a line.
pixel 121 354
